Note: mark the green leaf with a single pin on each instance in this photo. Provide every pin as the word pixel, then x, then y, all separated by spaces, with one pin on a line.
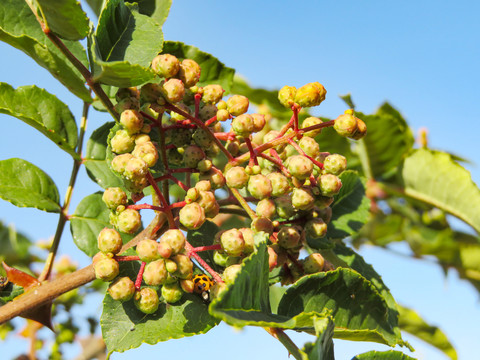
pixel 25 185
pixel 433 177
pixel 383 355
pixel 43 111
pixel 203 237
pixel 124 327
pixel 347 98
pixel 10 292
pixel 96 6
pixel 322 348
pixel 156 9
pixel 388 141
pixel 20 29
pixel 350 208
pixel 15 247
pixel 95 158
pixel 412 323
pixel 90 217
pixel 124 44
pixel 360 312
pixel 64 17
pixel 213 71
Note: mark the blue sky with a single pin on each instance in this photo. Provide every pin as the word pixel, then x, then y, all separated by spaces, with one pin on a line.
pixel 420 56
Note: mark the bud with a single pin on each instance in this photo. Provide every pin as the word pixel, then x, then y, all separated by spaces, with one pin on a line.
pixel 232 242
pixel 174 90
pixel 146 300
pixel 237 105
pixel 346 125
pixel 129 221
pixel 310 146
pixel 300 166
pixel 316 228
pixel 184 266
pixel 262 224
pixel 259 186
pixel 302 199
pixel 147 250
pixel 132 121
pixel 147 152
pixel 192 216
pixel 212 94
pixel 106 269
pixel 335 164
pixel 166 65
pixel 155 273
pixel 311 94
pixel 122 142
pixel 361 130
pixel 236 177
pixel 266 208
pixel 122 289
pixel 311 121
pixel 230 273
pixel 284 207
pixel 114 197
pixel 189 72
pixel 288 237
pixel 192 155
pixel 109 241
pixel 280 184
pixel 329 184
pixel 313 263
pixel 286 95
pixel 243 125
pixel 175 239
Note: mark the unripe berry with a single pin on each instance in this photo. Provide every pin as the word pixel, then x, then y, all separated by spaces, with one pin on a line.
pixel 203 185
pixel 258 122
pixel 243 125
pixel 204 165
pixel 171 266
pixel 187 285
pixel 280 184
pixel 346 125
pixel 126 93
pixel 207 201
pixel 323 201
pixel 215 176
pixel 329 184
pixel 325 214
pixel 316 228
pixel 286 95
pixel 147 250
pixel 230 273
pixel 150 92
pixel 122 289
pixel 335 164
pixel 192 216
pixel 237 105
pixel 220 258
pixel 266 208
pixel 262 224
pixel 164 250
pixel 300 166
pixel 288 237
pixel 303 199
pixel 232 242
pixel 223 115
pixel 127 104
pixel 180 137
pixel 146 300
pixel 313 263
pixel 122 142
pixel 109 241
pixel 272 258
pixel 189 72
pixel 175 239
pixel 114 197
pixel 192 155
pixel 132 121
pixel 166 65
pixel 311 121
pixel 248 239
pixel 284 207
pixel 310 146
pixel 184 266
pixel 147 152
pixel 259 186
pixel 174 157
pixel 212 93
pixel 361 130
pixel 202 138
pixel 128 221
pixel 311 94
pixel 136 169
pixel 175 116
pixel 171 293
pixel 173 90
pixel 155 273
pixel 106 269
pixel 142 138
pixel 236 177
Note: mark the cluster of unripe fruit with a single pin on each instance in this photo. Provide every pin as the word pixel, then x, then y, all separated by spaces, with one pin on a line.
pixel 288 178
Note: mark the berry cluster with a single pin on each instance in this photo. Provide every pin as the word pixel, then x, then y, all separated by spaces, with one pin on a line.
pixel 190 129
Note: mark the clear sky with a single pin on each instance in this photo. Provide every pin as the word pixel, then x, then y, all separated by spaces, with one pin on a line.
pixel 421 56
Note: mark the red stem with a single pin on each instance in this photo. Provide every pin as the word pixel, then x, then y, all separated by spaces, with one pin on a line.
pixel 191 252
pixel 300 150
pixel 138 280
pixel 126 258
pixel 206 248
pixel 198 97
pixel 253 155
pixel 211 120
pixel 145 206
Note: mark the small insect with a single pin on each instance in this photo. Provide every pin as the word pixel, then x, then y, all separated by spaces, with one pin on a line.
pixel 3 282
pixel 201 285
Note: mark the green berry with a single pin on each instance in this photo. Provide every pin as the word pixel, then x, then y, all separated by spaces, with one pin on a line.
pixel 361 130
pixel 129 221
pixel 303 199
pixel 311 94
pixel 280 184
pixel 311 121
pixel 262 224
pixel 237 105
pixel 300 166
pixel 223 115
pixel 189 72
pixel 266 208
pixel 173 90
pixel 132 121
pixel 180 137
pixel 114 197
pixel 150 92
pixel 146 300
pixel 329 184
pixel 192 216
pixel 122 289
pixel 288 237
pixel 174 157
pixel 249 240
pixel 147 152
pixel 313 263
pixel 346 125
pixel 236 177
pixel 192 155
pixel 284 207
pixel 147 250
pixel 175 239
pixel 335 164
pixel 204 165
pixel 166 65
pixel 212 94
pixel 258 122
pixel 109 241
pixel 316 228
pixel 310 146
pixel 106 269
pixel 122 142
pixel 243 125
pixel 232 242
pixel 202 138
pixel 259 186
pixel 207 111
pixel 184 266
pixel 155 273
pixel 230 273
pixel 171 293
pixel 215 176
pixel 286 95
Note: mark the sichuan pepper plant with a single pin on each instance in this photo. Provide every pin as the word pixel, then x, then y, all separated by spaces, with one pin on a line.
pixel 256 203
